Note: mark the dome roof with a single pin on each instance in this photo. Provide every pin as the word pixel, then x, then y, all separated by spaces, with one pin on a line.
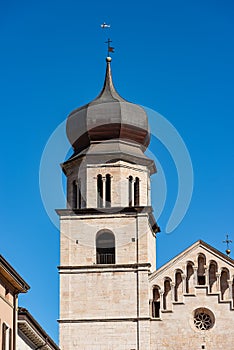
pixel 107 117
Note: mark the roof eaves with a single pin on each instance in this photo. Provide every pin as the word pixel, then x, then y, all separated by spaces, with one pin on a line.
pixel 12 276
pixel 24 315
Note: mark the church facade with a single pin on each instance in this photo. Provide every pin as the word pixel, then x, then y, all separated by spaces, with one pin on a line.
pixel 112 297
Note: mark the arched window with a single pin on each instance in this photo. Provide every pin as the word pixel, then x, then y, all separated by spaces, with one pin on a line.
pixel 224 284
pixel 108 191
pixel 99 191
pixel 130 181
pixel 74 194
pixel 212 277
pixel 105 247
pixel 178 286
pixel 201 278
pixel 156 303
pixel 136 191
pixel 167 295
pixel 189 278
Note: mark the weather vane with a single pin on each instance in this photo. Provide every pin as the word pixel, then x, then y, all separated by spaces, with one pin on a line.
pixel 227 241
pixel 109 47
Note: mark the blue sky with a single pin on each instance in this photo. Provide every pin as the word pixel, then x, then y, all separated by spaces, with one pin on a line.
pixel 175 57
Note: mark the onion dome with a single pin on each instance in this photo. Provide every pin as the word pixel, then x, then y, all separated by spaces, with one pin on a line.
pixel 108 117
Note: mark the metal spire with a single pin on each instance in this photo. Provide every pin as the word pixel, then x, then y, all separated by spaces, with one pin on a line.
pixel 227 241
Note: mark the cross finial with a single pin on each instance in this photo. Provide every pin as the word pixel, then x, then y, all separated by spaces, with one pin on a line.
pixel 227 241
pixel 109 48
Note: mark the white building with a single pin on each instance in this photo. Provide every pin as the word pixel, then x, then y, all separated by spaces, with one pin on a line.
pixel 31 336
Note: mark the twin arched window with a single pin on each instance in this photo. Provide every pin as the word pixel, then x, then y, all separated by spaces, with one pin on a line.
pixel 104 191
pixel 105 247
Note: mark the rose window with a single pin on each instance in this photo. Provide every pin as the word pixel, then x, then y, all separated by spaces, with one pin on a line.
pixel 203 319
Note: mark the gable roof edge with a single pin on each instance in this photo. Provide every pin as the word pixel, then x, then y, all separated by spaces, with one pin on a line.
pixel 187 250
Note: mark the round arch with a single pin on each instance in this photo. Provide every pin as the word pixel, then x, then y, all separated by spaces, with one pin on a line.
pixel 105 247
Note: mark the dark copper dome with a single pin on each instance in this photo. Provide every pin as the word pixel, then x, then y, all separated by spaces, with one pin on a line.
pixel 107 117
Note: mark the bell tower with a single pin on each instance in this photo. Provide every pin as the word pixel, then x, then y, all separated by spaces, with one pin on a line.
pixel 107 231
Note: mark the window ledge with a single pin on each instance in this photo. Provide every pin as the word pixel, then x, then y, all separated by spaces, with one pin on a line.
pixel 225 301
pixel 199 286
pixel 178 302
pixel 155 319
pixel 166 311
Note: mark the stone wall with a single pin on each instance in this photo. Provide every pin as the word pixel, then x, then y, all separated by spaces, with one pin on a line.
pixel 78 238
pixel 176 330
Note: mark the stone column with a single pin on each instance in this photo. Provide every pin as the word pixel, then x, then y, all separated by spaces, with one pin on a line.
pixel 195 268
pixel 132 192
pixel 172 284
pixel 183 283
pixel 218 281
pixel 151 307
pixel 206 275
pixel 103 192
pixel 230 288
pixel 161 301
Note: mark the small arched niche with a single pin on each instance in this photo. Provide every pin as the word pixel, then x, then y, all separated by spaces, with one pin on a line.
pixel 224 287
pixel 156 302
pixel 201 277
pixel 105 247
pixel 167 304
pixel 213 268
pixel 189 277
pixel 178 286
